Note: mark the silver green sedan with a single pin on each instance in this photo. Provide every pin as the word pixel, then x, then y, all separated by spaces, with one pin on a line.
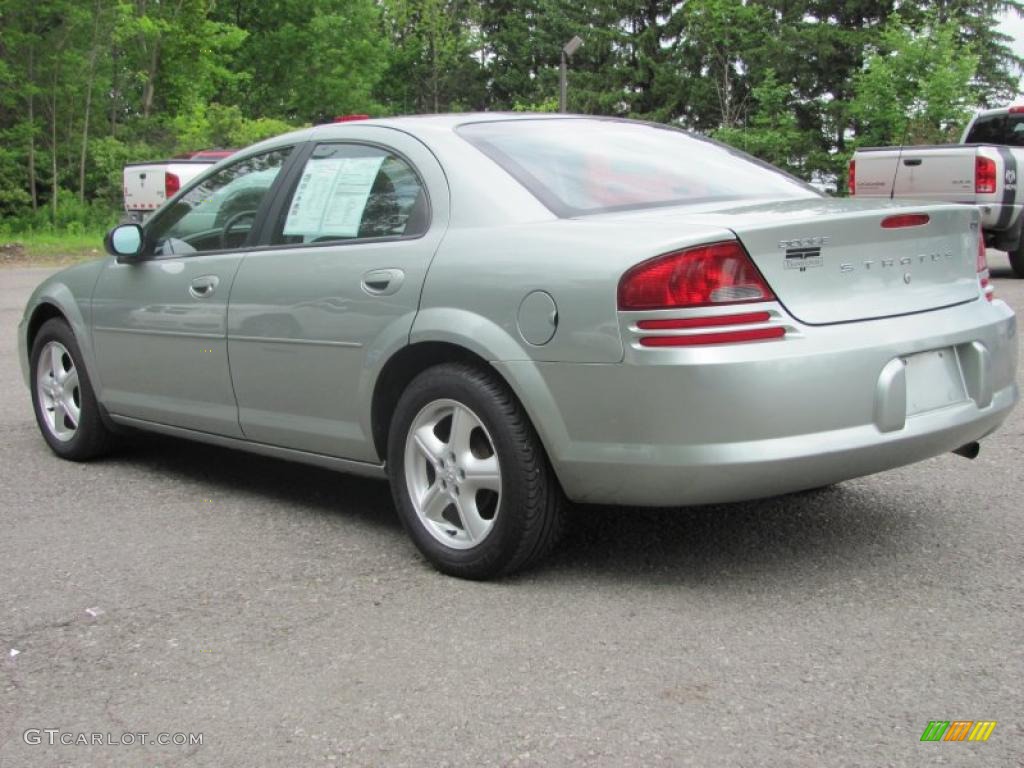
pixel 501 312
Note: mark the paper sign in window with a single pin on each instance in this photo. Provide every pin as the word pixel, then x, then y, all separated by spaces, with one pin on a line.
pixel 331 196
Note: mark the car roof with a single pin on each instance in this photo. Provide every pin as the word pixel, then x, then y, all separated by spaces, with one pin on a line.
pixel 415 125
pixel 454 119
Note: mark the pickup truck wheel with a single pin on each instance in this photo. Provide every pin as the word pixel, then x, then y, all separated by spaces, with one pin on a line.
pixel 470 479
pixel 62 395
pixel 1017 261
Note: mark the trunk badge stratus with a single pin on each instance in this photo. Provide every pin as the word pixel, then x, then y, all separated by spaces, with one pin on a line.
pixel 903 261
pixel 803 252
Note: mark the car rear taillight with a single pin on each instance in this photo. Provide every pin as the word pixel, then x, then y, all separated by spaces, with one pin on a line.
pixel 712 275
pixel 984 279
pixel 702 275
pixel 705 275
pixel 984 175
pixel 1016 109
pixel 171 185
pixel 851 178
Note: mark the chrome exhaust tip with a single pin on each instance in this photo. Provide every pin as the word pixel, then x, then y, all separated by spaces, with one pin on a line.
pixel 969 451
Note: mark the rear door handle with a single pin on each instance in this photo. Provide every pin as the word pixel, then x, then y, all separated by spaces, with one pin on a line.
pixel 203 287
pixel 382 282
pixel 912 161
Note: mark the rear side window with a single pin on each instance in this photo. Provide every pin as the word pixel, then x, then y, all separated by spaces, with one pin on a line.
pixel 353 192
pixel 1002 130
pixel 579 166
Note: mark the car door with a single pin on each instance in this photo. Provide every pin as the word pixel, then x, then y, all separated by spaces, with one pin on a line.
pixel 159 325
pixel 315 314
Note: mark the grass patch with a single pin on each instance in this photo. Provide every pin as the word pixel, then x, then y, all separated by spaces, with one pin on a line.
pixel 50 248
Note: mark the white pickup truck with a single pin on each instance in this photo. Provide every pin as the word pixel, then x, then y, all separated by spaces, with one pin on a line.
pixel 147 186
pixel 981 170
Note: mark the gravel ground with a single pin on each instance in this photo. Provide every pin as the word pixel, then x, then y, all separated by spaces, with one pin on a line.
pixel 279 611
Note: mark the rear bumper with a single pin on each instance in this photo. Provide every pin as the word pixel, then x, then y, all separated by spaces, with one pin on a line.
pixel 710 424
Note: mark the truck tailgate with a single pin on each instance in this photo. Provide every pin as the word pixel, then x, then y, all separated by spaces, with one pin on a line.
pixel 936 173
pixel 144 187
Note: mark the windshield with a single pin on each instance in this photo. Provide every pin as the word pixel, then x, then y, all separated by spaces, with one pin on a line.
pixel 578 166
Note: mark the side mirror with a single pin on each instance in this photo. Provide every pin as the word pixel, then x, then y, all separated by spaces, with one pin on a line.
pixel 124 242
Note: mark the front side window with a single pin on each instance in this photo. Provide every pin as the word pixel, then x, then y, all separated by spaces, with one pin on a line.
pixel 582 166
pixel 353 191
pixel 217 213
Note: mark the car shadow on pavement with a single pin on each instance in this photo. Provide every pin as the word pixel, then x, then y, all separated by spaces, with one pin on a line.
pixel 320 491
pixel 842 528
pixel 837 529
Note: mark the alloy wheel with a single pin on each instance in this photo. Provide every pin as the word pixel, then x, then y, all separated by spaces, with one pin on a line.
pixel 59 392
pixel 452 473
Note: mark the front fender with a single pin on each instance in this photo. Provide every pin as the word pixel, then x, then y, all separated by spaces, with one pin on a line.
pixel 70 293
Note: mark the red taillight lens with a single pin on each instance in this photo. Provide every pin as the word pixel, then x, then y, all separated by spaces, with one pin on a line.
pixel 171 185
pixel 984 175
pixel 713 274
pixel 984 279
pixel 905 220
pixel 851 178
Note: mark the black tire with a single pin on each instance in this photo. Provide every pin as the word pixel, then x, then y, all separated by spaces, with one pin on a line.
pixel 529 517
pixel 1017 261
pixel 91 438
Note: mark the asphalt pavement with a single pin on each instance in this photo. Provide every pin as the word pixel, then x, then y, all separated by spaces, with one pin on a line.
pixel 278 614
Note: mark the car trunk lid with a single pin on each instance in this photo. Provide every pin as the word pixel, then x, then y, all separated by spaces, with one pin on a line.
pixel 833 261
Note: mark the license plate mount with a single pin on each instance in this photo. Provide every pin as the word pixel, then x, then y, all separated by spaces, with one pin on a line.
pixel 934 380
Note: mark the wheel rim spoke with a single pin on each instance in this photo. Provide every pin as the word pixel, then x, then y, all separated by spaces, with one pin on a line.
pixel 428 444
pixel 463 423
pixel 474 525
pixel 434 502
pixel 71 412
pixel 57 362
pixel 483 474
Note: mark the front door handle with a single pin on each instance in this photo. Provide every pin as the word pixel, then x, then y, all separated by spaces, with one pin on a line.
pixel 382 282
pixel 203 287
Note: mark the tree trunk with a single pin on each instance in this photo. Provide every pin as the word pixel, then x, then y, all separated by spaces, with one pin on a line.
pixel 32 128
pixel 89 80
pixel 148 92
pixel 53 153
pixel 115 94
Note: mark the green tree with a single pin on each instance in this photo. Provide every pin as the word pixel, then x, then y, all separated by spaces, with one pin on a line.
pixel 917 87
pixel 432 66
pixel 771 132
pixel 306 60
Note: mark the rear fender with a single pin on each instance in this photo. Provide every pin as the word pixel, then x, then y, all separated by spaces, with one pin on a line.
pixel 506 354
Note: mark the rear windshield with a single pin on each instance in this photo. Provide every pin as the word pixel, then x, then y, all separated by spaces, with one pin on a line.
pixel 579 166
pixel 1006 130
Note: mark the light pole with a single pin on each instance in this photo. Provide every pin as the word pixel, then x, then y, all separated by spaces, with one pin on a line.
pixel 567 51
